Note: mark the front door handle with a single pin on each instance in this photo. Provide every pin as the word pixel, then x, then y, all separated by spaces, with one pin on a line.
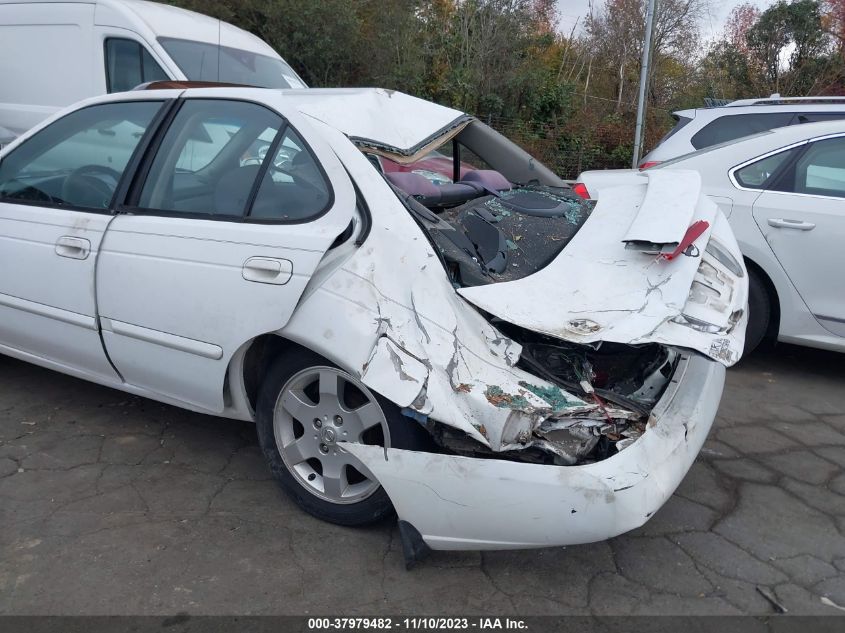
pixel 73 247
pixel 268 270
pixel 782 223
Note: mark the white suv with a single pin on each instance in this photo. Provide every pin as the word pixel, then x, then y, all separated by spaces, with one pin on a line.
pixel 704 127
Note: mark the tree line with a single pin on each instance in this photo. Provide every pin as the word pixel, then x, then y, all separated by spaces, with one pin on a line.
pixel 568 97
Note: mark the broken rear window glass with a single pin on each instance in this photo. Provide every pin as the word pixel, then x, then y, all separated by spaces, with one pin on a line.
pixel 509 236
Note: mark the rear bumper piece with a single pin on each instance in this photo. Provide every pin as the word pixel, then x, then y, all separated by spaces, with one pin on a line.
pixel 461 503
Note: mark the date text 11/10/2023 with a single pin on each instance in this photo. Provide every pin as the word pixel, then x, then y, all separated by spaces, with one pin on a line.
pixel 417 623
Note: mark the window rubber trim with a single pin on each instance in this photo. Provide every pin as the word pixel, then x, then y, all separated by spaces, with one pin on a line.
pixel 127 178
pixel 264 168
pixel 366 214
pixel 145 161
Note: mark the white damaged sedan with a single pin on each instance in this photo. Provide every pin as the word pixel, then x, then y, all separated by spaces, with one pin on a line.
pixel 418 315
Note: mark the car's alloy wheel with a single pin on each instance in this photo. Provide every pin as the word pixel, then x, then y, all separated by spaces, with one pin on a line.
pixel 317 409
pixel 306 407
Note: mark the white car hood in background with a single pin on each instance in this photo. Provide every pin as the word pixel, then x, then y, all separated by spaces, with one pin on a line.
pixel 370 114
pixel 597 290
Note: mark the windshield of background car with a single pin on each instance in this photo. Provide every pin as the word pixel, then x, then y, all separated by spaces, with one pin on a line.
pixel 201 61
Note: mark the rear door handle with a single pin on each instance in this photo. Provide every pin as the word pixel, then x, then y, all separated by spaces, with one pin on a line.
pixel 268 270
pixel 73 247
pixel 782 223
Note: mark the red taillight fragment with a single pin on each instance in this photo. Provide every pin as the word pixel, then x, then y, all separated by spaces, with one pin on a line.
pixel 648 164
pixel 695 231
pixel 581 189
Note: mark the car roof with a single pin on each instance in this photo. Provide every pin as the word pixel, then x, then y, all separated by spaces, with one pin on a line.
pixel 386 119
pixel 755 106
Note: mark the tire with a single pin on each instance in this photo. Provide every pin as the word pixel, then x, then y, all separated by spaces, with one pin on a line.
pixel 303 456
pixel 759 312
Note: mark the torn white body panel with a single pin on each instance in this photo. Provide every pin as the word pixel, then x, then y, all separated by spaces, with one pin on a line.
pixel 390 292
pixel 597 290
pixel 462 503
pixel 370 114
pixel 667 208
pixel 389 361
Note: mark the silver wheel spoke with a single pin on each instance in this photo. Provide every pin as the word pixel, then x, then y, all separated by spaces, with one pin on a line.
pixel 299 450
pixel 334 477
pixel 324 421
pixel 369 416
pixel 329 384
pixel 298 406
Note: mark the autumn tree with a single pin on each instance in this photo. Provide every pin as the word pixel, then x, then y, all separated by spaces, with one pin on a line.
pixel 617 33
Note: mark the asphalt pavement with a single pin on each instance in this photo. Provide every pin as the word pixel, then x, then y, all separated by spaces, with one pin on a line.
pixel 113 504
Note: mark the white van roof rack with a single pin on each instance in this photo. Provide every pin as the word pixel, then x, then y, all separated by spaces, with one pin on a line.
pixel 776 99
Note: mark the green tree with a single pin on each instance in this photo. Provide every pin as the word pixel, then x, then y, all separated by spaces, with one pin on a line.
pixel 792 48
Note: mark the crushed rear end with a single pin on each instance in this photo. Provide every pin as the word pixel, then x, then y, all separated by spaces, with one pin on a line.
pixel 568 364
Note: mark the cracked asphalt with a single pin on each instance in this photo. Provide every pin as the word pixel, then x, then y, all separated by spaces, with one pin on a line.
pixel 112 504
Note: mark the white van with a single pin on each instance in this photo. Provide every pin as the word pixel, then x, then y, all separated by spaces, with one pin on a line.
pixel 55 53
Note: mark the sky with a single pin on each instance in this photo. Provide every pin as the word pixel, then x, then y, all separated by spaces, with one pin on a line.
pixel 711 26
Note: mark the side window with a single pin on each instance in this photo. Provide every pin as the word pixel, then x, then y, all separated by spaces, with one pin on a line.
pixel 756 175
pixel 821 170
pixel 294 189
pixel 210 158
pixel 815 117
pixel 129 64
pixel 78 160
pixel 731 127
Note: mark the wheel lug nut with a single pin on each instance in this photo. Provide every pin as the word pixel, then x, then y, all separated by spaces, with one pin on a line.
pixel 317 423
pixel 338 420
pixel 324 448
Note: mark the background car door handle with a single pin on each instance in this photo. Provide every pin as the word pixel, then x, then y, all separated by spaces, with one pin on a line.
pixel 781 223
pixel 268 270
pixel 73 247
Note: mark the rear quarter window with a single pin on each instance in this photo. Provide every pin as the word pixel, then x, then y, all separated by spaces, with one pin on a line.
pixel 815 117
pixel 758 174
pixel 731 127
pixel 680 123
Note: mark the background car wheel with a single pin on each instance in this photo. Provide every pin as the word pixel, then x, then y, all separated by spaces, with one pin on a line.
pixel 759 312
pixel 306 405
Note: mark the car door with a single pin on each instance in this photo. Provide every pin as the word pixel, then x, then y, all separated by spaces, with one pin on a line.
pixel 56 189
pixel 802 217
pixel 219 236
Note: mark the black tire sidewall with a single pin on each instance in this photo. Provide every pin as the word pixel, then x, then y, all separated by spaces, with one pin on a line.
pixel 759 312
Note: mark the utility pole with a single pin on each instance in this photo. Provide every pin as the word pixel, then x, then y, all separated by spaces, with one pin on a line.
pixel 644 72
